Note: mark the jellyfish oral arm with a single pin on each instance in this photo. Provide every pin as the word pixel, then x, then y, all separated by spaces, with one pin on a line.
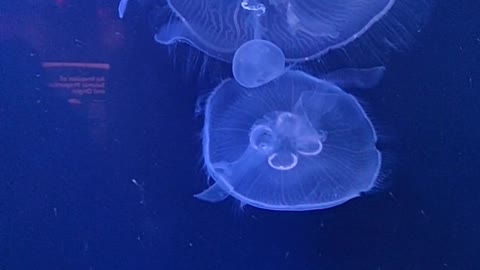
pixel 122 6
pixel 214 193
pixel 349 78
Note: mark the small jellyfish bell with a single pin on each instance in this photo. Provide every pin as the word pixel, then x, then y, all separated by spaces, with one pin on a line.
pixel 296 143
pixel 301 29
pixel 257 62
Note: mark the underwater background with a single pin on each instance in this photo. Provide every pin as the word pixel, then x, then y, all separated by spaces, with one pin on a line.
pixel 101 153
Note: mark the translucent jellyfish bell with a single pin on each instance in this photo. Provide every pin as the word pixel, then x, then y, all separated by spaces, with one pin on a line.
pixel 257 62
pixel 296 143
pixel 302 29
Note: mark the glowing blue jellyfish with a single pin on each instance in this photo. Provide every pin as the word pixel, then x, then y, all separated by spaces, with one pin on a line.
pixel 300 29
pixel 257 62
pixel 292 30
pixel 297 143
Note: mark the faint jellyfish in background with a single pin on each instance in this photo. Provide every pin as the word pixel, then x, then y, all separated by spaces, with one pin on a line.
pixel 291 31
pixel 296 143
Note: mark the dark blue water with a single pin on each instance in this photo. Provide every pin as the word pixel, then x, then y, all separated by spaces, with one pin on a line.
pixel 105 180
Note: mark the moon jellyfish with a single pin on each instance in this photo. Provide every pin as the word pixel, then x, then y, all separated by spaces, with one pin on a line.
pixel 257 62
pixel 297 143
pixel 301 29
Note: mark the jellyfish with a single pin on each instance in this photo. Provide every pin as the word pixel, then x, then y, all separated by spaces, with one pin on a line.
pixel 296 143
pixel 257 62
pixel 301 29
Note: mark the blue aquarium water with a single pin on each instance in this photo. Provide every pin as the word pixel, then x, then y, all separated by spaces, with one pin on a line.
pixel 102 153
pixel 297 143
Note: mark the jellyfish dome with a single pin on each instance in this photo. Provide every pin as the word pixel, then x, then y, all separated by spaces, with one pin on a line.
pixel 257 62
pixel 302 29
pixel 297 143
